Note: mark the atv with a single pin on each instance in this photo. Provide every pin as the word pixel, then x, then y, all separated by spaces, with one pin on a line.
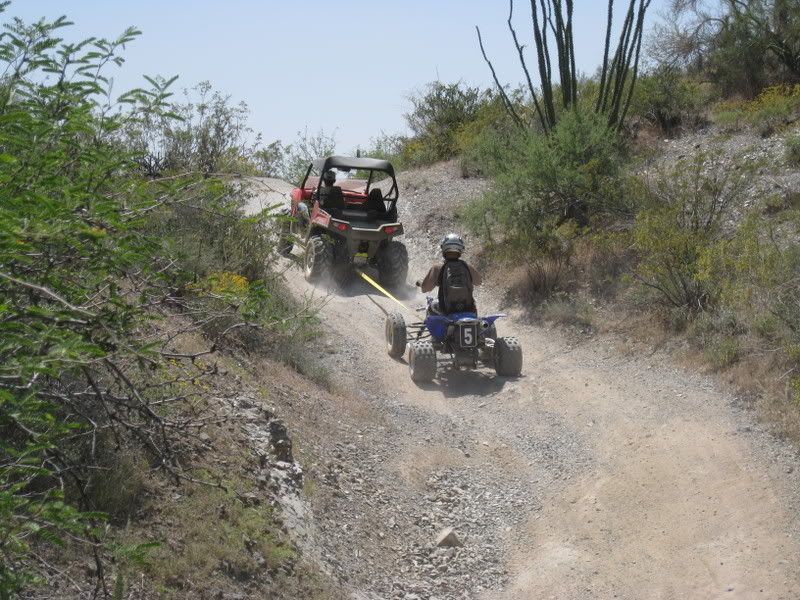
pixel 360 229
pixel 466 338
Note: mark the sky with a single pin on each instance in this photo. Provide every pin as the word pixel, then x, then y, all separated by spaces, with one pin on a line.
pixel 344 67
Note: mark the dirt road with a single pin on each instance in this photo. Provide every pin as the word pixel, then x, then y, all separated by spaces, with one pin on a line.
pixel 594 475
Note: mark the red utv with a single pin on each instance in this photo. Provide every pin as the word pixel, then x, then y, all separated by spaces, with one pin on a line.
pixel 358 224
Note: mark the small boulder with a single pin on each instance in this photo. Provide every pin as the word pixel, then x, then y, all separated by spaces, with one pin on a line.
pixel 447 538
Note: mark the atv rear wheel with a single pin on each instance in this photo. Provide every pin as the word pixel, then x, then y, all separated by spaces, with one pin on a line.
pixel 395 333
pixel 507 357
pixel 422 361
pixel 393 264
pixel 318 258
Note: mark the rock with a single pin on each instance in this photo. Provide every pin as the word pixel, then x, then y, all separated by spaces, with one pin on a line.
pixel 447 538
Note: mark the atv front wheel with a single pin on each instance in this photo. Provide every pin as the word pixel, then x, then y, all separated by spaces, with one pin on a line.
pixel 422 361
pixel 318 258
pixel 393 264
pixel 395 333
pixel 507 357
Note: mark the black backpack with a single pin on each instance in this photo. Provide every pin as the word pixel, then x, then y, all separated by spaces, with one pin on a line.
pixel 455 288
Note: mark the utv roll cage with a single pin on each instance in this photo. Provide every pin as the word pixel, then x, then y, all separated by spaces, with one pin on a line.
pixel 354 190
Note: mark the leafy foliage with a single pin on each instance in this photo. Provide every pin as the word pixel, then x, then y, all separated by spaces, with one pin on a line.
pixel 667 99
pixel 91 251
pixel 686 208
pixel 437 114
pixel 545 180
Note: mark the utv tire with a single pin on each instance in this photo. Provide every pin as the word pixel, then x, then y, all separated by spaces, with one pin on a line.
pixel 393 264
pixel 422 361
pixel 507 357
pixel 318 258
pixel 395 335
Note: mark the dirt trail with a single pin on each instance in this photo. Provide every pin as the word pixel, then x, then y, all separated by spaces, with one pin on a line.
pixel 594 475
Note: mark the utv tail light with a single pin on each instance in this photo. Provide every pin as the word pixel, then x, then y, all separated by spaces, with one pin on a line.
pixel 341 226
pixel 391 229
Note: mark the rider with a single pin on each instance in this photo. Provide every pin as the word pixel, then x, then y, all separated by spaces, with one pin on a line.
pixel 455 279
pixel 328 196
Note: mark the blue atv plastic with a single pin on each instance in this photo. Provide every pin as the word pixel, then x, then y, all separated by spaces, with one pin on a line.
pixel 464 337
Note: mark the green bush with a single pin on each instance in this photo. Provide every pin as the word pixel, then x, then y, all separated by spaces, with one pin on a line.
pixel 91 252
pixel 667 99
pixel 437 114
pixel 675 234
pixel 759 272
pixel 793 150
pixel 542 180
pixel 773 108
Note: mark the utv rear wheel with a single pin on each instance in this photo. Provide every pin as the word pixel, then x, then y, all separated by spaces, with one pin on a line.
pixel 318 259
pixel 507 357
pixel 422 361
pixel 393 264
pixel 395 335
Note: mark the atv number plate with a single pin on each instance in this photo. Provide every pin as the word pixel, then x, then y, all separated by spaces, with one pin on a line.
pixel 468 335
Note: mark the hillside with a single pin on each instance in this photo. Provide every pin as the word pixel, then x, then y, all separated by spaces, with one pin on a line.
pixel 586 475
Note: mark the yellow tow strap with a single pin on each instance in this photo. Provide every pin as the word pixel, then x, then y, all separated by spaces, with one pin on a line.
pixel 374 284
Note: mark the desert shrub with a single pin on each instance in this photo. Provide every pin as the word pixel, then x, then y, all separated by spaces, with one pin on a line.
pixel 730 115
pixel 722 353
pixel 686 207
pixel 91 252
pixel 436 116
pixel 567 175
pixel 486 148
pixel 668 100
pixel 385 146
pixel 759 272
pixel 793 150
pixel 773 107
pixel 205 133
pixel 769 111
pixel 607 258
pixel 567 310
pixel 306 148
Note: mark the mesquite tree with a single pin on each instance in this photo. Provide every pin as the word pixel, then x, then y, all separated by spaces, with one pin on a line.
pixel 552 22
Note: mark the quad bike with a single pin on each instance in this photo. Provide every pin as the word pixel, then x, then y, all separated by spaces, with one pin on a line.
pixel 465 338
pixel 358 225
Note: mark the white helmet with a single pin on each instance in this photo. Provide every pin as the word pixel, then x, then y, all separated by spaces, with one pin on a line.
pixel 452 242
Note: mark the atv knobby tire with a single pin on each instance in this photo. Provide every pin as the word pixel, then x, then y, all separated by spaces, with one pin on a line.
pixel 318 259
pixel 422 361
pixel 393 264
pixel 395 335
pixel 507 357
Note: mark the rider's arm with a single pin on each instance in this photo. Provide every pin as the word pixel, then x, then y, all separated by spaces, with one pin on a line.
pixel 431 279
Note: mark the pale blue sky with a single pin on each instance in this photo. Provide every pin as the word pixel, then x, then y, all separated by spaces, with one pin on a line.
pixel 345 66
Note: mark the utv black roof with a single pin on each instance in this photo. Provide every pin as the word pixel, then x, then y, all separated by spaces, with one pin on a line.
pixel 349 162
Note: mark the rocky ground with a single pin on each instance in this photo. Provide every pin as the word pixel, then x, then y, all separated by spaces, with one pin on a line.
pixel 771 182
pixel 595 474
